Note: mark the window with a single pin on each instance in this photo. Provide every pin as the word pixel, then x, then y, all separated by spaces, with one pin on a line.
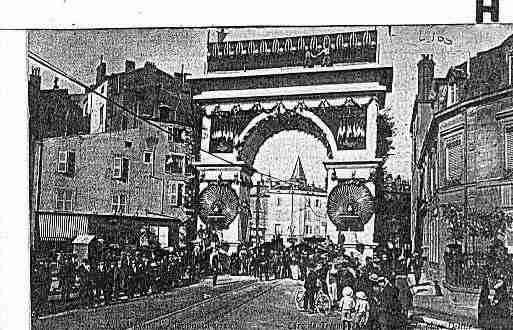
pixel 317 203
pixel 277 229
pixel 508 147
pixel 507 195
pixel 148 157
pixel 66 163
pixel 62 167
pixel 124 123
pixel 307 230
pixel 103 89
pixel 64 200
pixel 121 166
pixel 119 203
pixel 454 160
pixel 175 193
pixel 176 134
pixel 175 163
pixel 278 201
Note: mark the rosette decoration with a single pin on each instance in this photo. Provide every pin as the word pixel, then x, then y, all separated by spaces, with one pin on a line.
pixel 350 205
pixel 219 205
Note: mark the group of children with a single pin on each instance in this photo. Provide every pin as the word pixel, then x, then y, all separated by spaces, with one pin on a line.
pixel 354 311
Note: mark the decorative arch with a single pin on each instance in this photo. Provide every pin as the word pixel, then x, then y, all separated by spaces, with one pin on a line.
pixel 265 125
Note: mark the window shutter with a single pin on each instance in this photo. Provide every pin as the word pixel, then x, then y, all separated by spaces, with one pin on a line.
pixel 124 171
pixel 509 148
pixel 179 195
pixel 71 163
pixel 506 191
pixel 454 159
pixel 62 162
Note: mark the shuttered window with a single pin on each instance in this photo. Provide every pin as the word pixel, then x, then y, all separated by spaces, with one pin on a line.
pixel 508 140
pixel 454 159
pixel 506 195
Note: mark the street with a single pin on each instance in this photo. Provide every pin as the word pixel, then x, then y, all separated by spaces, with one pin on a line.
pixel 237 302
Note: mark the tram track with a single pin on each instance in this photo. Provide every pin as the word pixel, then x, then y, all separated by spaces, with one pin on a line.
pixel 226 303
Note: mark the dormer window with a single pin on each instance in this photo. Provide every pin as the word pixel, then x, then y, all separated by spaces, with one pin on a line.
pixel 452 96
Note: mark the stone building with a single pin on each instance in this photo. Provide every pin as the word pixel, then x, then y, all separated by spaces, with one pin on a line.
pixel 146 91
pixel 52 112
pixel 113 184
pixel 292 210
pixel 461 146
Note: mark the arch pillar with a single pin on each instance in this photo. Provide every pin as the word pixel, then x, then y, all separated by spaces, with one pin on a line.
pixel 238 176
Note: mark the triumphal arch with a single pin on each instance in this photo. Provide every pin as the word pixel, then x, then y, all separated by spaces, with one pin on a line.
pixel 330 86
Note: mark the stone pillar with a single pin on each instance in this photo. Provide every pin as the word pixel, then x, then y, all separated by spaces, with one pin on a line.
pixel 238 176
pixel 352 170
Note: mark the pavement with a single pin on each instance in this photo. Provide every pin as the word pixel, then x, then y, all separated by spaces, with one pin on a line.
pixel 444 311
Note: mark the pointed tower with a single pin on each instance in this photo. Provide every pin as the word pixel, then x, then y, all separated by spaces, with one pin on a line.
pixel 298 175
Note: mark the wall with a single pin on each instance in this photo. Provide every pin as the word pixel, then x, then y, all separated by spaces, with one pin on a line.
pixel 293 211
pixel 92 183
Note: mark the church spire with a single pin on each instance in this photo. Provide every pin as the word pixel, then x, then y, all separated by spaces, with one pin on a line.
pixel 298 175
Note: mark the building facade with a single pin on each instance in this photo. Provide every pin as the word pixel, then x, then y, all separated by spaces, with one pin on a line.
pixel 147 92
pixel 461 147
pixel 52 112
pixel 292 210
pixel 114 184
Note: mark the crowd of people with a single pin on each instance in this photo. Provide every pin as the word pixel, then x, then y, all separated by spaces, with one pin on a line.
pixel 373 294
pixel 112 277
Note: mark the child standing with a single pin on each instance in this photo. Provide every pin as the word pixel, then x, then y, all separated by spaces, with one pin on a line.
pixel 362 310
pixel 347 306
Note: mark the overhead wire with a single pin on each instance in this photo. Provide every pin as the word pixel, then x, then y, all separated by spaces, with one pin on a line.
pixel 38 59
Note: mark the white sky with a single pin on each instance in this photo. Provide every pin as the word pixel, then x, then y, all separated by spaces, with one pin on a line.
pixel 78 52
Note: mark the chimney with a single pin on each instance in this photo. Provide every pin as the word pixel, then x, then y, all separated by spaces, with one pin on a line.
pixel 101 71
pixel 426 73
pixel 35 78
pixel 129 66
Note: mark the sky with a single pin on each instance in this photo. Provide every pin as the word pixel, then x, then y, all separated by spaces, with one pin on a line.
pixel 78 53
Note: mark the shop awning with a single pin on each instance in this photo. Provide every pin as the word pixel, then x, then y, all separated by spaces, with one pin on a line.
pixel 61 227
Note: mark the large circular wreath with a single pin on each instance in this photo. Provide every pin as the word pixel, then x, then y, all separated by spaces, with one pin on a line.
pixel 219 205
pixel 349 200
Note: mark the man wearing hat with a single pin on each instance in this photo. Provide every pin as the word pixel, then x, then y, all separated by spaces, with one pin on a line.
pixel 310 289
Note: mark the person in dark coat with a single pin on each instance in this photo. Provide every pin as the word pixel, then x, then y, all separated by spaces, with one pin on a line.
pixel 108 276
pixel 214 265
pixel 310 290
pixel 67 277
pixel 287 273
pixel 99 273
pixel 389 306
pixel 131 279
pixel 483 310
pixel 86 286
pixel 500 310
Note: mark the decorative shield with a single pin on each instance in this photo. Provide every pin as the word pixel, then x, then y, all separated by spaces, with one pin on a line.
pixel 350 204
pixel 219 205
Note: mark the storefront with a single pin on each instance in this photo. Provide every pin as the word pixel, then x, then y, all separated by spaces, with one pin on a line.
pixel 58 230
